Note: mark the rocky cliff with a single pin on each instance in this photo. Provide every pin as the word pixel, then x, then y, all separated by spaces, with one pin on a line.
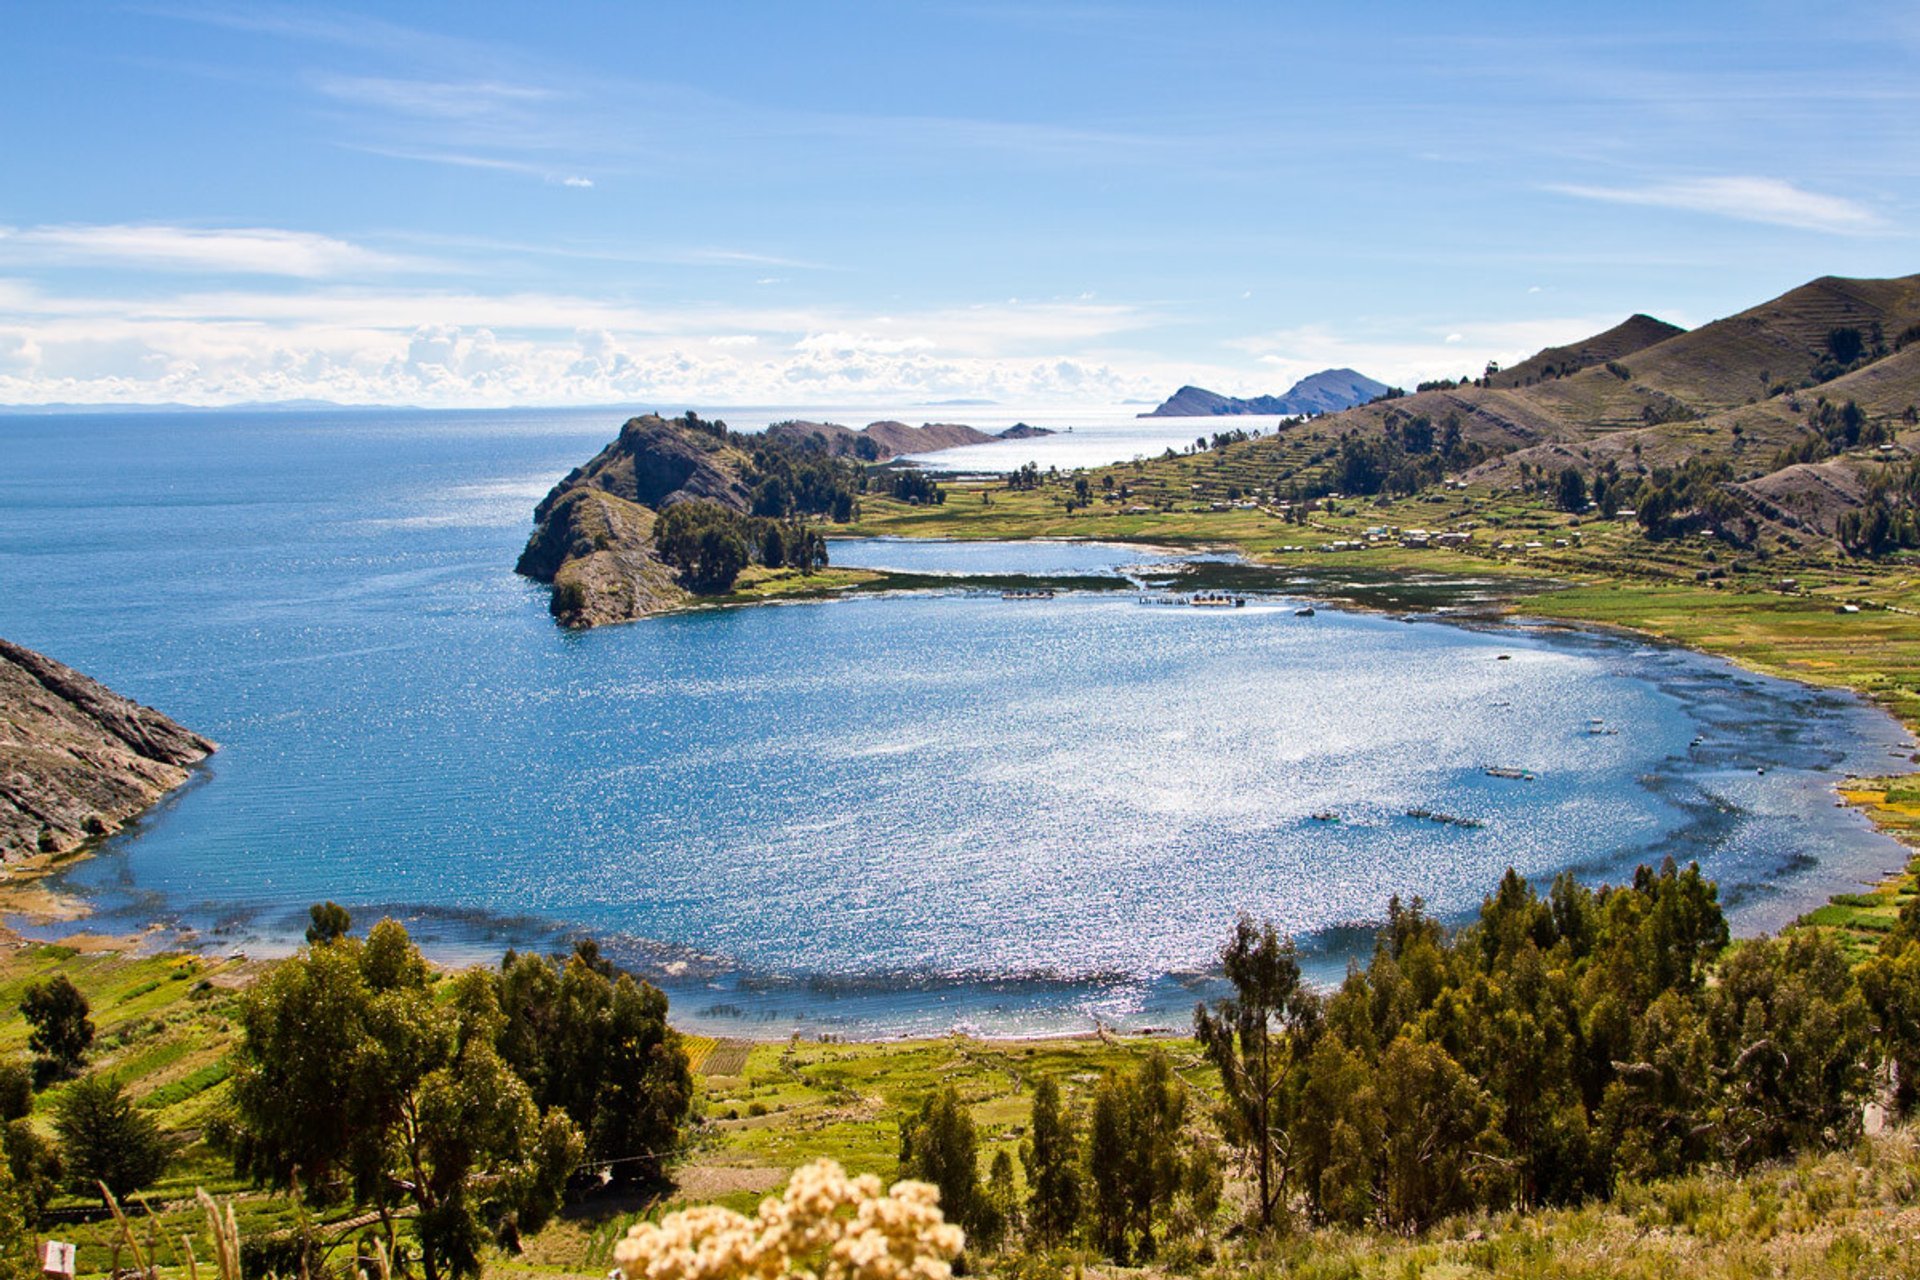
pixel 593 535
pixel 76 759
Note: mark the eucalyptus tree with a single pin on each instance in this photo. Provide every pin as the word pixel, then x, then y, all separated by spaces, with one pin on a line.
pixel 1257 1038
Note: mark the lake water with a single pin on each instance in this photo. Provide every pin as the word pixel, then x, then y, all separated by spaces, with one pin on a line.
pixel 884 814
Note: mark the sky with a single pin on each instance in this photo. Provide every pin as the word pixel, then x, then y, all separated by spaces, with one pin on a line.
pixel 819 203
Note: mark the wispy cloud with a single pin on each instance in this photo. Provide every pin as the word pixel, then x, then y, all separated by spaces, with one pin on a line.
pixel 435 99
pixel 1434 351
pixel 266 251
pixel 468 160
pixel 1767 200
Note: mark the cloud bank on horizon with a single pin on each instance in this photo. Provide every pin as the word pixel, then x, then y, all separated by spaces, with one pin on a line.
pixel 473 205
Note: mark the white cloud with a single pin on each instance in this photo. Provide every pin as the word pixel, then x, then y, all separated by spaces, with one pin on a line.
pixel 1438 351
pixel 365 345
pixel 241 251
pixel 576 180
pixel 1767 200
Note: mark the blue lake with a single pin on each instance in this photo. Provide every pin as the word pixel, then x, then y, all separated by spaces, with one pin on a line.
pixel 884 814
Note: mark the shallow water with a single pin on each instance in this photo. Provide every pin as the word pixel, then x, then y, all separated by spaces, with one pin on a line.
pixel 880 814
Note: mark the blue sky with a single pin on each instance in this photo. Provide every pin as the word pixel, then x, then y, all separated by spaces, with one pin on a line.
pixel 724 203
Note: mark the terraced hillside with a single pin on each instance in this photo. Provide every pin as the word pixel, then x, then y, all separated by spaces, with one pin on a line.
pixel 1756 398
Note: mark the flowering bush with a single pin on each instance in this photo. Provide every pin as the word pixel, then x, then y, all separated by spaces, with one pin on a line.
pixel 827 1225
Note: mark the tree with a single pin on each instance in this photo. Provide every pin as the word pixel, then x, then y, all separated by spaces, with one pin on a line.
pixel 106 1140
pixel 16 1242
pixel 351 1075
pixel 1051 1158
pixel 16 1090
pixel 62 1030
pixel 1793 1031
pixel 33 1162
pixel 939 1145
pixel 596 1044
pixel 1891 985
pixel 330 922
pixel 1254 1038
pixel 1442 1144
pixel 1571 492
pixel 999 1209
pixel 484 1163
pixel 1134 1156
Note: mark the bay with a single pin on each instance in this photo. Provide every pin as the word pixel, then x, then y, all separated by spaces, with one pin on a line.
pixel 879 815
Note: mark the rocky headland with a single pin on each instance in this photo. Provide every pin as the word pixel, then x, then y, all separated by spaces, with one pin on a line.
pixel 77 760
pixel 600 543
pixel 593 533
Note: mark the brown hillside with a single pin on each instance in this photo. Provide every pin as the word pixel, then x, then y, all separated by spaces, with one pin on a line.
pixel 1635 333
pixel 1723 364
pixel 1810 496
pixel 1884 389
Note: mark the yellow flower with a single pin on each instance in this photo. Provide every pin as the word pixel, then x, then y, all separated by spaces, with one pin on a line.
pixel 827 1225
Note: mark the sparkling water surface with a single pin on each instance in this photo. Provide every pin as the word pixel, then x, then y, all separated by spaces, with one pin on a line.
pixel 882 814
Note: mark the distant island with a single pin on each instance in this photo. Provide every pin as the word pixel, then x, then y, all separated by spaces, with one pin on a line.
pixel 1329 391
pixel 884 441
pixel 77 760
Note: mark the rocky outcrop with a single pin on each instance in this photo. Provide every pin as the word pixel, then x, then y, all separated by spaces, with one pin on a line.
pixel 77 760
pixel 597 551
pixel 656 462
pixel 593 535
pixel 1328 391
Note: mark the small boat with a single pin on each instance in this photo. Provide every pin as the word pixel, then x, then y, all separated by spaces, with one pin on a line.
pixel 1502 771
pixel 1304 613
pixel 1326 815
pixel 1216 600
pixel 1040 593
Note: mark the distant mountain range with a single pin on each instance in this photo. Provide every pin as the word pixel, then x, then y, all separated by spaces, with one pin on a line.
pixel 880 441
pixel 1328 391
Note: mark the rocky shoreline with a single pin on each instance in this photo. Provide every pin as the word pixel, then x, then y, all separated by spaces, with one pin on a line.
pixel 78 760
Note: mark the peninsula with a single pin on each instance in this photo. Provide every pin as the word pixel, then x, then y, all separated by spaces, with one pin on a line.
pixel 77 760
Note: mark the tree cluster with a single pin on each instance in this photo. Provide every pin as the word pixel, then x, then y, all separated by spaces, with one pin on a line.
pixel 710 544
pixel 1026 476
pixel 1889 520
pixel 1409 454
pixel 1693 497
pixel 1832 429
pixel 916 487
pixel 1546 1050
pixel 1131 1169
pixel 362 1075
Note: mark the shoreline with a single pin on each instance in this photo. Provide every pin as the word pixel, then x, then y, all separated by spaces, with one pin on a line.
pixel 26 900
